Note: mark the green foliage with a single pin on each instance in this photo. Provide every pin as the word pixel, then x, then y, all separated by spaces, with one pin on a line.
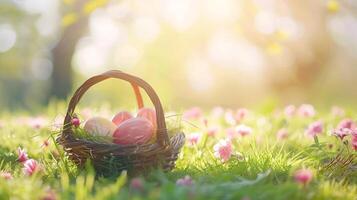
pixel 262 167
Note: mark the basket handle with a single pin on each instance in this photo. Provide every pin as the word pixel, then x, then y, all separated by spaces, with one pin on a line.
pixel 162 137
pixel 139 98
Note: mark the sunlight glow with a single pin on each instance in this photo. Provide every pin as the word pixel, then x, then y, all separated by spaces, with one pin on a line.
pixel 226 50
pixel 344 30
pixel 126 55
pixel 90 58
pixel 7 37
pixel 199 75
pixel 105 30
pixel 180 14
pixel 146 28
pixel 265 22
pixel 222 10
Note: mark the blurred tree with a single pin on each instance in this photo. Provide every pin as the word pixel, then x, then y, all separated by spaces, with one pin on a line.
pixel 74 25
pixel 294 64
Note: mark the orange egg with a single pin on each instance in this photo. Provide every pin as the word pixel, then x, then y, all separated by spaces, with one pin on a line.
pixel 121 117
pixel 99 126
pixel 134 131
pixel 149 114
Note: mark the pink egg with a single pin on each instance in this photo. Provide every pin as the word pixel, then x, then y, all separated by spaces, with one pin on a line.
pixel 149 114
pixel 99 126
pixel 121 117
pixel 134 131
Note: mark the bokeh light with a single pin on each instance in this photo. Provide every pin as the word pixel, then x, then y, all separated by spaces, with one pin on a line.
pixel 228 51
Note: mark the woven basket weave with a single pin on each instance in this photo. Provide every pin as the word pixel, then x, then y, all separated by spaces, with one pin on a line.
pixel 109 158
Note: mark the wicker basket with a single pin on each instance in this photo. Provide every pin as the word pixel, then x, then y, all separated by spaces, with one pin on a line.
pixel 109 158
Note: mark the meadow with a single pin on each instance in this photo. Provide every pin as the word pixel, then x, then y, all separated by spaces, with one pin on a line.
pixel 296 152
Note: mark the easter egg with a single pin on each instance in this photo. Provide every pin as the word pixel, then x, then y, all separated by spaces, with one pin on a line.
pixel 149 114
pixel 133 131
pixel 99 126
pixel 121 117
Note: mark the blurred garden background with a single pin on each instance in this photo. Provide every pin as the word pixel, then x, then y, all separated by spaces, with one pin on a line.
pixel 219 52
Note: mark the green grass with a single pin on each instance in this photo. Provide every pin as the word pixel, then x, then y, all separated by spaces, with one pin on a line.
pixel 262 167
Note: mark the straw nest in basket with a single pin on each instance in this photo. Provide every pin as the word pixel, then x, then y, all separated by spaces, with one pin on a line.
pixel 108 157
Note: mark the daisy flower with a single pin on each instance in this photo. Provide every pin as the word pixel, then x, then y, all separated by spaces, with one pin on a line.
pixel 229 117
pixel 22 155
pixel 212 131
pixel 314 128
pixel 30 167
pixel 217 112
pixel 282 134
pixel 223 150
pixel 290 110
pixel 306 110
pixel 342 132
pixel 243 130
pixel 347 123
pixel 194 138
pixel 241 114
pixel 231 133
pixel 192 113
pixel 37 122
pixel 303 176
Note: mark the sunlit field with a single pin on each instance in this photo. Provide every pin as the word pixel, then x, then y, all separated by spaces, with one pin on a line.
pixel 229 99
pixel 295 152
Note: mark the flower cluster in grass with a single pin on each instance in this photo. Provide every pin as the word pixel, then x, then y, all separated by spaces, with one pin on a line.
pixel 296 152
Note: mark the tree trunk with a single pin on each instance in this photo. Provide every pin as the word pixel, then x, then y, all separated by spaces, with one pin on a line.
pixel 62 53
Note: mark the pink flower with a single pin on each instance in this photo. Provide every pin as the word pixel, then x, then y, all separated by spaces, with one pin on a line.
pixel 30 167
pixel 223 150
pixel 303 176
pixel 185 181
pixel 37 122
pixel 22 155
pixel 57 123
pixel 342 132
pixel 347 123
pixel 290 110
pixel 136 184
pixel 6 175
pixel 282 134
pixel 314 128
pixel 75 122
pixel 306 110
pixel 229 117
pixel 241 114
pixel 212 131
pixel 194 138
pixel 192 113
pixel 231 133
pixel 337 111
pixel 217 112
pixel 244 130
